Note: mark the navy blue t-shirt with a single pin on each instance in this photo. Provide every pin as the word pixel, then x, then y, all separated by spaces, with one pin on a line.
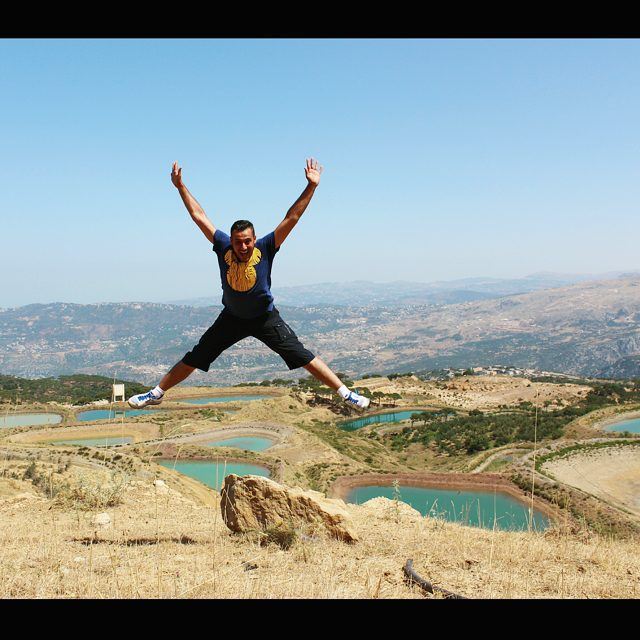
pixel 246 286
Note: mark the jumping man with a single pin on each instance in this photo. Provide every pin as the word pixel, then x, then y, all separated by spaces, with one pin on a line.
pixel 245 270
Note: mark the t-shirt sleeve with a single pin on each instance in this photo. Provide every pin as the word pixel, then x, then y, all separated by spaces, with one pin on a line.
pixel 220 241
pixel 269 244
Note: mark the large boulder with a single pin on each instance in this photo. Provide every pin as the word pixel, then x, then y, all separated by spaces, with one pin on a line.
pixel 254 503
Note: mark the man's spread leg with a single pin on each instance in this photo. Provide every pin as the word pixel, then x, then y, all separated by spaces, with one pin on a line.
pixel 280 337
pixel 179 372
pixel 319 369
pixel 224 332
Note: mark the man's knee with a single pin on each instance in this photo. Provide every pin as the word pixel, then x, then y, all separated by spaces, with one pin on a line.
pixel 195 359
pixel 312 364
pixel 298 358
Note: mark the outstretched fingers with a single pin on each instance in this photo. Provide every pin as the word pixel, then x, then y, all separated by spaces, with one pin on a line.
pixel 312 165
pixel 176 174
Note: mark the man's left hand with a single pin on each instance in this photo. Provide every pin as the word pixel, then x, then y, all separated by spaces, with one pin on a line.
pixel 313 171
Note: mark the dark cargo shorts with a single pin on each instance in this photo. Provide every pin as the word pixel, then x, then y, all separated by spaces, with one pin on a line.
pixel 269 328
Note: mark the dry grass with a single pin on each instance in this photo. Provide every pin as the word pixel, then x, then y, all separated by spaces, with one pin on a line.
pixel 489 392
pixel 161 544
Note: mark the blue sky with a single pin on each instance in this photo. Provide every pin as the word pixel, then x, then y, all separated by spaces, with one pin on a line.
pixel 443 159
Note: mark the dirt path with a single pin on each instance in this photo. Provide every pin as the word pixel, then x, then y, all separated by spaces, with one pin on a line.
pixel 497 455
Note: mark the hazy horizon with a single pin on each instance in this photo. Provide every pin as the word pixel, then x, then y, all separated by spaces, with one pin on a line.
pixel 216 295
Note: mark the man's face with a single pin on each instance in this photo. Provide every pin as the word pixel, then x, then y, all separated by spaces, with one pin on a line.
pixel 243 243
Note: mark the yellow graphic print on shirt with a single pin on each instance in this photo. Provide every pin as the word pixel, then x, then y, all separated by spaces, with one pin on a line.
pixel 241 276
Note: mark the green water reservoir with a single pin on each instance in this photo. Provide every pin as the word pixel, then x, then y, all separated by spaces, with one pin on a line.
pixel 380 418
pixel 29 419
pixel 213 473
pixel 632 426
pixel 473 508
pixel 106 414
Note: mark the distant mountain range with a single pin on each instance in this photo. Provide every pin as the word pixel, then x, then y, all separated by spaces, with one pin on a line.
pixel 588 328
pixel 410 293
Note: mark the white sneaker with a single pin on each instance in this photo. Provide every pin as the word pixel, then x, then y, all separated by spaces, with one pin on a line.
pixel 143 399
pixel 357 400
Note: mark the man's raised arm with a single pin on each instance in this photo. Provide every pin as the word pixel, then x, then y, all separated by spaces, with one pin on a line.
pixel 312 172
pixel 195 210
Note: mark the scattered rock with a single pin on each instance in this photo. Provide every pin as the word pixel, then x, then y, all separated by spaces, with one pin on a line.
pixel 102 520
pixel 161 486
pixel 391 508
pixel 253 503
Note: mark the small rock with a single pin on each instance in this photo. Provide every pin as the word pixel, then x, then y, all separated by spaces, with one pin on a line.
pixel 161 486
pixel 392 508
pixel 102 520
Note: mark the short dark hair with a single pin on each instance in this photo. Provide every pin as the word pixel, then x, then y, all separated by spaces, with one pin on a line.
pixel 242 225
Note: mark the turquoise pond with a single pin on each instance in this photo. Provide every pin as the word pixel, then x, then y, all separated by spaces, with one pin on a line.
pixel 632 426
pixel 249 443
pixel 96 442
pixel 213 473
pixel 474 508
pixel 106 414
pixel 29 419
pixel 396 416
pixel 211 399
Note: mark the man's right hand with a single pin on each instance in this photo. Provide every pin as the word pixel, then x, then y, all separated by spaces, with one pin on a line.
pixel 176 176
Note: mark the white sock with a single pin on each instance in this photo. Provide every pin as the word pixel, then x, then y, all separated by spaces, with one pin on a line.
pixel 343 391
pixel 157 392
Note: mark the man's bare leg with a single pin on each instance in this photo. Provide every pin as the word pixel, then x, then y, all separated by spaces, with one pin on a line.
pixel 319 369
pixel 179 372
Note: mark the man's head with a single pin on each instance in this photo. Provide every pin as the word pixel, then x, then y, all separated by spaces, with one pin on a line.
pixel 243 239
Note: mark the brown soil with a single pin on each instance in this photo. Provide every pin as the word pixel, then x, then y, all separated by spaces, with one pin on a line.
pixel 478 392
pixel 611 474
pixel 180 393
